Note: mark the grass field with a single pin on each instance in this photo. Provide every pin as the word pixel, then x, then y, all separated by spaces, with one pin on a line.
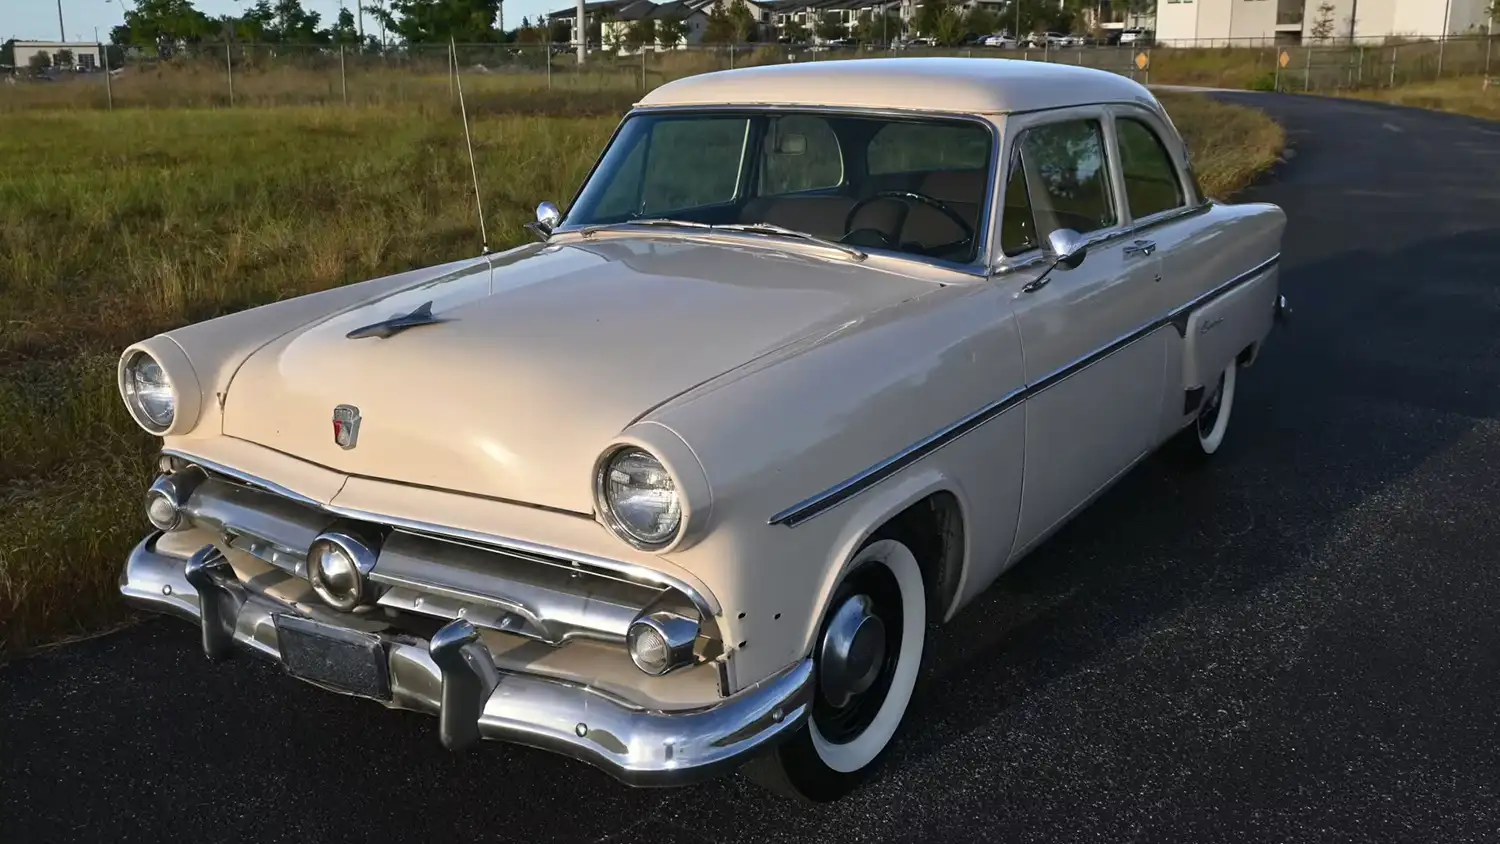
pixel 115 226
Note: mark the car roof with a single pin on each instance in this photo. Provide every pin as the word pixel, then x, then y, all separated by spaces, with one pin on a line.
pixel 966 86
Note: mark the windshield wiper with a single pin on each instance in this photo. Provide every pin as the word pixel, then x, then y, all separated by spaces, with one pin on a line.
pixel 587 231
pixel 783 231
pixel 745 228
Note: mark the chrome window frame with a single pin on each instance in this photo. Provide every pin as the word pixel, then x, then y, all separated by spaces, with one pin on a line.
pixel 1007 264
pixel 984 233
pixel 1176 154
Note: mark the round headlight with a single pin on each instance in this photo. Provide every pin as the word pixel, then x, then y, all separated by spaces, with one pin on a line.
pixel 149 393
pixel 638 499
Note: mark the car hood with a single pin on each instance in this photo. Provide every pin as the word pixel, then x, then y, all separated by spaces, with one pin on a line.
pixel 533 363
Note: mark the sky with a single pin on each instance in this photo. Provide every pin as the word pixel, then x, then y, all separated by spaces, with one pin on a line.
pixel 37 19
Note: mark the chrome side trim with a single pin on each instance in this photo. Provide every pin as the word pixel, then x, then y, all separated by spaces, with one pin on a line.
pixel 835 495
pixel 838 494
pixel 453 675
pixel 706 604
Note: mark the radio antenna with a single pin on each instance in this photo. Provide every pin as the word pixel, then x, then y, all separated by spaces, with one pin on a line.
pixel 484 237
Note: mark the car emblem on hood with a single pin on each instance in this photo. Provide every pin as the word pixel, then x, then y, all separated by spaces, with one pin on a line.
pixel 346 426
pixel 421 315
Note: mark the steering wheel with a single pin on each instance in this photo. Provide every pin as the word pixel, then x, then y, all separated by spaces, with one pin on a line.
pixel 935 204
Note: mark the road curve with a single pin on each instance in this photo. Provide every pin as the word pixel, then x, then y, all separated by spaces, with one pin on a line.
pixel 1298 644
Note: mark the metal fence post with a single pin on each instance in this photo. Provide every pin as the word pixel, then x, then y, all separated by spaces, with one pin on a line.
pixel 643 68
pixel 1442 45
pixel 343 75
pixel 547 54
pixel 229 71
pixel 1307 74
pixel 452 72
pixel 1489 47
pixel 109 90
pixel 1393 65
pixel 1278 72
pixel 1361 78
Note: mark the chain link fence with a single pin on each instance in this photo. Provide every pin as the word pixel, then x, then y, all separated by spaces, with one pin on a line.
pixel 519 77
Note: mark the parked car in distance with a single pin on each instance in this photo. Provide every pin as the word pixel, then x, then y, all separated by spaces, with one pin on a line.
pixel 816 353
pixel 1135 37
pixel 999 40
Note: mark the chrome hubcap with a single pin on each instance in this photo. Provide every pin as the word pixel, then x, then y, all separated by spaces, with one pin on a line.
pixel 853 651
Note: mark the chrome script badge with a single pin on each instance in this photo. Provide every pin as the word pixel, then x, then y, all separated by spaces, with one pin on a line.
pixel 346 426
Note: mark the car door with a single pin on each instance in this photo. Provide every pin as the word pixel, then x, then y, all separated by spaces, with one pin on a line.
pixel 1094 370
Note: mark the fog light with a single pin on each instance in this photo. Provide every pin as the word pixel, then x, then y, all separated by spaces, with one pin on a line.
pixel 336 566
pixel 661 641
pixel 162 511
pixel 169 494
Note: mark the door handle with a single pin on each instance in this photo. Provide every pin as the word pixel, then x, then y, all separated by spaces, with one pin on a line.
pixel 1140 247
pixel 1034 286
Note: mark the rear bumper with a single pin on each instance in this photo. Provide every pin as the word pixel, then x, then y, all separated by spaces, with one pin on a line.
pixel 454 677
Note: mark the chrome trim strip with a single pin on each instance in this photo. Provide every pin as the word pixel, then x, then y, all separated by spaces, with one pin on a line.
pixel 826 500
pixel 836 495
pixel 636 745
pixel 706 604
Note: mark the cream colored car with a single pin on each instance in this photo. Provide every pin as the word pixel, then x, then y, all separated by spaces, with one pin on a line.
pixel 815 354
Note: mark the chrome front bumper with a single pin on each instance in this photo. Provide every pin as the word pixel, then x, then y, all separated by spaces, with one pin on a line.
pixel 454 676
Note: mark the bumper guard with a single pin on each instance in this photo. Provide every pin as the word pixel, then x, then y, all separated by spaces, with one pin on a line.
pixel 454 677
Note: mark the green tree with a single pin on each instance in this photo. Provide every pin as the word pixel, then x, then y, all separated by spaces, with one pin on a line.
pixel 980 21
pixel 671 32
pixel 39 61
pixel 344 30
pixel 794 31
pixel 930 15
pixel 641 33
pixel 63 59
pixel 877 29
pixel 164 24
pixel 830 26
pixel 720 29
pixel 742 22
pixel 425 21
pixel 1322 28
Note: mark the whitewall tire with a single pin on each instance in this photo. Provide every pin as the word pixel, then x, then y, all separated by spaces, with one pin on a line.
pixel 862 690
pixel 1203 438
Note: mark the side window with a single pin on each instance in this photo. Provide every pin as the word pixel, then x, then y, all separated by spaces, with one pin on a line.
pixel 691 163
pixel 905 147
pixel 1067 174
pixel 801 153
pixel 1151 184
pixel 1018 221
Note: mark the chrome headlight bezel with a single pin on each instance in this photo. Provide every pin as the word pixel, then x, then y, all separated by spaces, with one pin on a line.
pixel 179 373
pixel 612 520
pixel 130 390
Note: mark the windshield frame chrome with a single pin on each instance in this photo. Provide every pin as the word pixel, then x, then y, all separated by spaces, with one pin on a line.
pixel 979 267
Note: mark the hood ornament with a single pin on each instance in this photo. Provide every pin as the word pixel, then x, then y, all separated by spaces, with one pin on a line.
pixel 422 315
pixel 346 426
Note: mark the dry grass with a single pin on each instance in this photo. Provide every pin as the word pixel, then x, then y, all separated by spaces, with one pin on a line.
pixel 1459 96
pixel 117 226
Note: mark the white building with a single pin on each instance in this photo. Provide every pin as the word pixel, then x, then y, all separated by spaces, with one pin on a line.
pixel 19 54
pixel 1246 22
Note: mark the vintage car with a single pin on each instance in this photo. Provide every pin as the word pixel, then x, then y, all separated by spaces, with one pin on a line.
pixel 816 352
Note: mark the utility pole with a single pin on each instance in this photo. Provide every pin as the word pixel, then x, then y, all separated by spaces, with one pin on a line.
pixel 62 33
pixel 581 34
pixel 1353 19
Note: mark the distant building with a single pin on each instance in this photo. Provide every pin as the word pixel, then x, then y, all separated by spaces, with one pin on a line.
pixel 1212 22
pixel 18 54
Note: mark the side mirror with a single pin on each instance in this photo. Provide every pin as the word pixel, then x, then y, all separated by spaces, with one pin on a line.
pixel 1069 248
pixel 547 218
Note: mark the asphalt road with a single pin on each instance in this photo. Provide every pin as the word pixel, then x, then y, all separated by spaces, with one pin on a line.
pixel 1298 644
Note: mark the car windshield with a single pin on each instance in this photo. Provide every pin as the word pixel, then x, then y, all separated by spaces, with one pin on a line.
pixel 915 186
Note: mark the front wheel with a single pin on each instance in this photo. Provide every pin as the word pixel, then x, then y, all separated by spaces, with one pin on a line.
pixel 865 661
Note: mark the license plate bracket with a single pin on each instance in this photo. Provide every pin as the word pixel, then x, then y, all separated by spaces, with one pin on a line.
pixel 336 658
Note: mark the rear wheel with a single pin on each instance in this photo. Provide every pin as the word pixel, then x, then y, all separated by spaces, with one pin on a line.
pixel 1202 439
pixel 865 663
